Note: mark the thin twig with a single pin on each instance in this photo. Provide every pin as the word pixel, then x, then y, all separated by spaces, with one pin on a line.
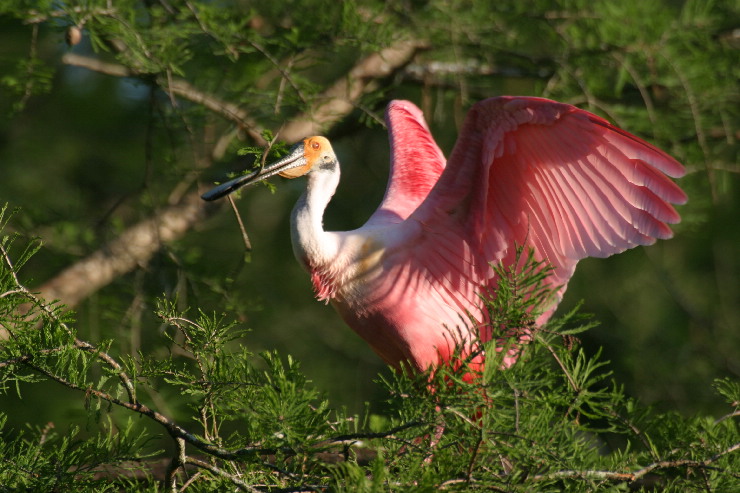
pixel 11 292
pixel 36 17
pixel 263 160
pixel 644 93
pixel 353 437
pixel 28 89
pixel 283 72
pixel 174 430
pixel 588 474
pixel 731 415
pixel 635 476
pixel 192 479
pixel 696 116
pixel 245 236
pixel 642 436
pixel 571 381
pixel 670 464
pixel 207 31
pixel 220 472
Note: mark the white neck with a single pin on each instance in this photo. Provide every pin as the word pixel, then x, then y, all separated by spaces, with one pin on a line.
pixel 311 244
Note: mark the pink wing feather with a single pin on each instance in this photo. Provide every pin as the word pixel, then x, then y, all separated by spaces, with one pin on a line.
pixel 543 175
pixel 525 172
pixel 416 163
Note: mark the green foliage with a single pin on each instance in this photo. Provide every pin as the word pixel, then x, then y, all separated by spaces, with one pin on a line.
pixel 275 150
pixel 521 292
pixel 30 77
pixel 45 460
pixel 169 88
pixel 552 421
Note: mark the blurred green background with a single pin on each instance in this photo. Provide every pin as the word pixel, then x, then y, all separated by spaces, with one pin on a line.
pixel 85 155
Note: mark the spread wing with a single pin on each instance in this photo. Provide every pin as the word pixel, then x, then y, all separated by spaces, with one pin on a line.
pixel 416 163
pixel 543 175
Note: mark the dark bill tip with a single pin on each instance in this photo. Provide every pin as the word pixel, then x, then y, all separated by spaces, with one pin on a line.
pixel 293 159
pixel 226 188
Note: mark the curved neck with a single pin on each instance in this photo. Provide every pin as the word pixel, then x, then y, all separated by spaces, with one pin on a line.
pixel 312 246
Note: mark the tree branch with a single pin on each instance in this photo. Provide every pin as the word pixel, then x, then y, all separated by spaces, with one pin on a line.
pixel 132 248
pixel 177 87
pixel 631 477
pixel 135 246
pixel 172 428
pixel 178 460
pixel 340 99
pixel 669 464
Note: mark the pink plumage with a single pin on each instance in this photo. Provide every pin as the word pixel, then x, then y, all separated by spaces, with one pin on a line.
pixel 525 172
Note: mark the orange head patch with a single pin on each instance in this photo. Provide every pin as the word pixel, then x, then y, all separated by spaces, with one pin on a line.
pixel 313 150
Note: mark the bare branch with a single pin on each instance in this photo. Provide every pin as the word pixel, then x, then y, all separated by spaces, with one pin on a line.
pixel 631 477
pixel 435 72
pixel 339 99
pixel 610 475
pixel 731 415
pixel 178 460
pixel 135 246
pixel 36 17
pixel 176 87
pixel 670 464
pixel 330 107
pixel 97 65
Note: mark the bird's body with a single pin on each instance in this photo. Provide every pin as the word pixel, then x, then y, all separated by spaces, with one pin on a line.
pixel 525 172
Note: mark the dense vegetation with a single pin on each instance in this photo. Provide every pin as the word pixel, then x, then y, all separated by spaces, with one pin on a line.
pixel 116 115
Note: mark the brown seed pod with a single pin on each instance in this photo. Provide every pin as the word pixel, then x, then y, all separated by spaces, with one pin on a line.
pixel 73 35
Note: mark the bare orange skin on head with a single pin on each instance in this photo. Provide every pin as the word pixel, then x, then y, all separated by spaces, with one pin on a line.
pixel 313 147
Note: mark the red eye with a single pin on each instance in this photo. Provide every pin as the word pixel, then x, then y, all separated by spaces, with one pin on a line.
pixel 315 145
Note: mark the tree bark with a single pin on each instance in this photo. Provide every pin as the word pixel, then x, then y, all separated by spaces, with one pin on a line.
pixel 132 248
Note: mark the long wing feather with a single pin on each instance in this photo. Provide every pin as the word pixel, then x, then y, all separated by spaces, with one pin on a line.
pixel 525 172
pixel 543 175
pixel 416 163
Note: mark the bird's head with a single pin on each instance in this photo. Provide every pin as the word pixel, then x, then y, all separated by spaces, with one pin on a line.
pixel 312 153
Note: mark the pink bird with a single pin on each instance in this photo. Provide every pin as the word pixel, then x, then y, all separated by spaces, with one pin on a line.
pixel 525 172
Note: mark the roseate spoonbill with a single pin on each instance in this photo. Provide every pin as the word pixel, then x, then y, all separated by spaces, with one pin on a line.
pixel 525 172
